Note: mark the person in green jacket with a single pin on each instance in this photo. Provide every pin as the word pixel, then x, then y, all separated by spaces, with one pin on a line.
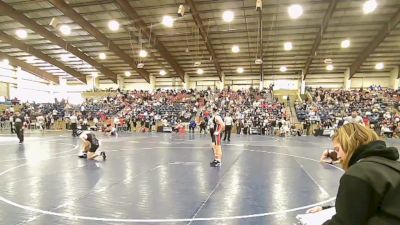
pixel 369 190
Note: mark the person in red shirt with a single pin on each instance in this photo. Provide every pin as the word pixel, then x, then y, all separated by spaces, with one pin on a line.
pixel 366 121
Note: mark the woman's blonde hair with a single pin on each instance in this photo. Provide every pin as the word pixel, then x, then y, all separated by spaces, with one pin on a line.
pixel 350 137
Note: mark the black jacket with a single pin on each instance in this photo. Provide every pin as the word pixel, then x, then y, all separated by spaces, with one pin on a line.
pixel 369 192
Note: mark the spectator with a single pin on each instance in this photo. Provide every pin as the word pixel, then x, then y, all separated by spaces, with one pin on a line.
pixel 192 126
pixel 369 189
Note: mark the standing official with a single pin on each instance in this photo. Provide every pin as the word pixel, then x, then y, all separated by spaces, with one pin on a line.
pixel 74 124
pixel 19 123
pixel 228 126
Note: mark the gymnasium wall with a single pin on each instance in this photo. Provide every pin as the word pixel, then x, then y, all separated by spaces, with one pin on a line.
pixel 4 90
pixel 290 82
pixel 325 80
pixel 28 87
pixel 7 75
pixel 107 85
pixel 242 82
pixel 366 80
pixel 359 80
pixel 202 83
pixel 169 83
pixel 71 93
pixel 31 87
pixel 136 84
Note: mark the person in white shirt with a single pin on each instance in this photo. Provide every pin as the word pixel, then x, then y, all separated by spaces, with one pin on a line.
pixel 11 119
pixel 387 115
pixel 116 122
pixel 228 126
pixel 74 124
pixel 40 122
pixel 55 113
pixel 354 118
pixel 95 121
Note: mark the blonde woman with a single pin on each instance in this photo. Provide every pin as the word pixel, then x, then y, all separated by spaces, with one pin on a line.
pixel 369 191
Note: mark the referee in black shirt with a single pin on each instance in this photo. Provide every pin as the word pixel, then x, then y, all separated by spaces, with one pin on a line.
pixel 19 122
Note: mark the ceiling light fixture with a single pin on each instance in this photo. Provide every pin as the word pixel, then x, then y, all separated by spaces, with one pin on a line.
pixel 30 59
pixel 113 25
pixel 181 10
pixel 345 43
pixel 142 53
pixel 65 29
pixel 228 16
pixel 127 73
pixel 288 46
pixel 283 69
pixel 162 72
pixel 240 70
pixel 329 67
pixel 65 58
pixel 200 71
pixel 167 21
pixel 295 11
pixel 102 56
pixel 369 6
pixel 21 33
pixel 235 49
pixel 259 5
pixel 5 62
pixel 379 66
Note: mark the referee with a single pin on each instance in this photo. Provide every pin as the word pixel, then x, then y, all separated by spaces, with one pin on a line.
pixel 228 126
pixel 19 122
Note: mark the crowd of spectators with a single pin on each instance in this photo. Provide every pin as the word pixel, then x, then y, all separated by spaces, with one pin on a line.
pixel 374 107
pixel 252 111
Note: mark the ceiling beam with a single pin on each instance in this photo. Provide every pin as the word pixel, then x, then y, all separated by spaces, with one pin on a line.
pixel 9 11
pixel 283 24
pixel 203 33
pixel 396 71
pixel 38 54
pixel 321 32
pixel 378 39
pixel 76 17
pixel 269 5
pixel 31 69
pixel 155 43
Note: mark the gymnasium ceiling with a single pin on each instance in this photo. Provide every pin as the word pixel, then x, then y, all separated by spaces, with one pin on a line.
pixel 201 35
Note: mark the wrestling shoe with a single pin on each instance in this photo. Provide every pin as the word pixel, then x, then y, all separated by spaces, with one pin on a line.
pixel 103 154
pixel 215 163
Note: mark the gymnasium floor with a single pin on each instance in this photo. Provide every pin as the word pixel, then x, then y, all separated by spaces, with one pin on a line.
pixel 162 179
